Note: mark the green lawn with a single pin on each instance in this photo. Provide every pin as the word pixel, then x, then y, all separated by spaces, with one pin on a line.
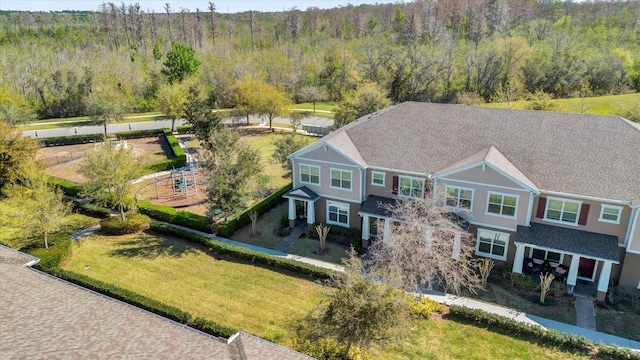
pixel 266 226
pixel 264 302
pixel 325 106
pixel 306 247
pixel 601 105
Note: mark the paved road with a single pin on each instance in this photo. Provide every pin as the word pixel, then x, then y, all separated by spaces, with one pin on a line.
pixel 160 124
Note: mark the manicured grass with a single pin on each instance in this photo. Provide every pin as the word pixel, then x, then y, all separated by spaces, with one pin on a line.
pixel 306 247
pixel 231 292
pixel 326 106
pixel 264 302
pixel 443 339
pixel 620 318
pixel 601 105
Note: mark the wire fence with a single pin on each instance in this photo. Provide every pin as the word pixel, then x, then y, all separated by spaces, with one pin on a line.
pixel 62 158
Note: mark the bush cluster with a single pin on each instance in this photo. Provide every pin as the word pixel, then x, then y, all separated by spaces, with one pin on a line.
pixel 242 253
pixel 328 349
pixel 424 306
pixel 134 223
pixel 67 187
pixel 137 134
pixel 550 337
pixel 180 159
pixel 524 282
pixel 91 210
pixel 52 257
pixel 72 140
pixel 184 129
pixel 176 217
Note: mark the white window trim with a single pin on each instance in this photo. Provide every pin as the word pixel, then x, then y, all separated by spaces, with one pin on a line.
pixel 331 170
pixel 489 255
pixel 603 206
pixel 515 213
pixel 338 204
pixel 384 175
pixel 400 177
pixel 546 208
pixel 446 194
pixel 310 166
pixel 546 254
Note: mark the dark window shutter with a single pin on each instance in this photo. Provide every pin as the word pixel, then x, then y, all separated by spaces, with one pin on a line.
pixel 584 212
pixel 542 203
pixel 395 185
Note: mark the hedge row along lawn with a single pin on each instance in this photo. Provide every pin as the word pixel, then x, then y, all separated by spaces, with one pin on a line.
pixel 266 303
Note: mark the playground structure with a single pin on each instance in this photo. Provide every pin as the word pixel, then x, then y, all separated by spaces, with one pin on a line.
pixel 178 184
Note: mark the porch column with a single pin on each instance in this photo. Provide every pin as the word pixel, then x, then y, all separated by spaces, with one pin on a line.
pixel 292 213
pixel 603 281
pixel 386 233
pixel 457 242
pixel 311 212
pixel 573 272
pixel 366 232
pixel 519 259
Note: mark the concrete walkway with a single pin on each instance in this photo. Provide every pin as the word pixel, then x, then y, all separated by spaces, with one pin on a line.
pixel 585 313
pixel 286 243
pixel 595 336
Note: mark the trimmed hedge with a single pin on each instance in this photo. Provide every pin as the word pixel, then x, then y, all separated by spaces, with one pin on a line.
pixel 184 129
pixel 137 134
pixel 161 165
pixel 52 257
pixel 180 157
pixel 552 337
pixel 228 228
pixel 91 210
pixel 72 140
pixel 67 187
pixel 177 217
pixel 242 253
pixel 134 223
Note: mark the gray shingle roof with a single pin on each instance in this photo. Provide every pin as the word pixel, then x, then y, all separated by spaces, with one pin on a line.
pixel 580 154
pixel 378 206
pixel 569 240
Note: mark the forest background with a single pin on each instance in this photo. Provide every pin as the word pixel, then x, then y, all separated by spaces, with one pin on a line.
pixel 438 51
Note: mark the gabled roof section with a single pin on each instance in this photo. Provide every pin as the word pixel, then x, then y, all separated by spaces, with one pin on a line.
pixel 493 158
pixel 302 193
pixel 337 141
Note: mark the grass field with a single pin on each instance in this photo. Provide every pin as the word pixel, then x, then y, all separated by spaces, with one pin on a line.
pixel 601 105
pixel 264 302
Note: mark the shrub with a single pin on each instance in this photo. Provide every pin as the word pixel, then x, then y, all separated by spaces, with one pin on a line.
pixel 177 217
pixel 67 187
pixel 72 140
pixel 161 165
pixel 91 210
pixel 180 159
pixel 212 328
pixel 423 306
pixel 524 282
pixel 185 129
pixel 133 224
pixel 137 134
pixel 52 257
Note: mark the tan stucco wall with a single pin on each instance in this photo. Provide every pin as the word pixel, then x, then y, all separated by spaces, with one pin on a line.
pixel 630 273
pixel 478 213
pixel 593 225
pixel 635 237
pixel 355 221
pixel 486 176
pixel 511 248
pixel 325 179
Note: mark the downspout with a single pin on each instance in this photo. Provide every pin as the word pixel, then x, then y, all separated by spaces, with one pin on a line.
pixel 434 193
pixel 530 209
pixel 627 236
pixel 363 184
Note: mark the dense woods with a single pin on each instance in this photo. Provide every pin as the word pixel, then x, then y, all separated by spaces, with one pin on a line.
pixel 436 51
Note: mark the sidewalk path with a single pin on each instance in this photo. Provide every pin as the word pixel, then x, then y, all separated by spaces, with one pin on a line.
pixel 595 336
pixel 286 243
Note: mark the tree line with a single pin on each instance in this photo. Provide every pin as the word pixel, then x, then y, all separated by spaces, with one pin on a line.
pixel 439 51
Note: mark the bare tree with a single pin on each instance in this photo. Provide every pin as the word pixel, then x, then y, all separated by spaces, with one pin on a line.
pixel 427 248
pixel 213 21
pixel 167 8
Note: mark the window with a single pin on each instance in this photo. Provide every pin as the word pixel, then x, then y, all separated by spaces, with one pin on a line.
pixel 492 244
pixel 458 197
pixel 610 214
pixel 337 213
pixel 411 187
pixel 502 204
pixel 377 178
pixel 341 179
pixel 310 174
pixel 543 255
pixel 564 211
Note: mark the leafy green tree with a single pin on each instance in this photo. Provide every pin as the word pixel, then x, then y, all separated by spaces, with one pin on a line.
pixel 16 151
pixel 198 114
pixel 229 168
pixel 272 102
pixel 172 99
pixel 360 311
pixel 106 105
pixel 14 108
pixel 286 145
pixel 246 95
pixel 312 94
pixel 110 169
pixel 39 207
pixel 366 99
pixel 181 63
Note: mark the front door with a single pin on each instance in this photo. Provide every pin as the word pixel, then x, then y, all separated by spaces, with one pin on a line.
pixel 586 268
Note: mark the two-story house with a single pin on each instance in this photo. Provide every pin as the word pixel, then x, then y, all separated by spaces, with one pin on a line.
pixel 540 185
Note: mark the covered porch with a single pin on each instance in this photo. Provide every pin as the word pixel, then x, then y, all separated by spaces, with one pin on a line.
pixel 375 210
pixel 307 199
pixel 589 256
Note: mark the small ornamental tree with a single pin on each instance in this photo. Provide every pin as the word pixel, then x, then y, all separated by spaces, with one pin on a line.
pixel 181 62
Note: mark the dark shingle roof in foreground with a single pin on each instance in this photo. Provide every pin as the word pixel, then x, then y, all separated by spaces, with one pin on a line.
pixel 574 241
pixel 580 154
pixel 44 317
